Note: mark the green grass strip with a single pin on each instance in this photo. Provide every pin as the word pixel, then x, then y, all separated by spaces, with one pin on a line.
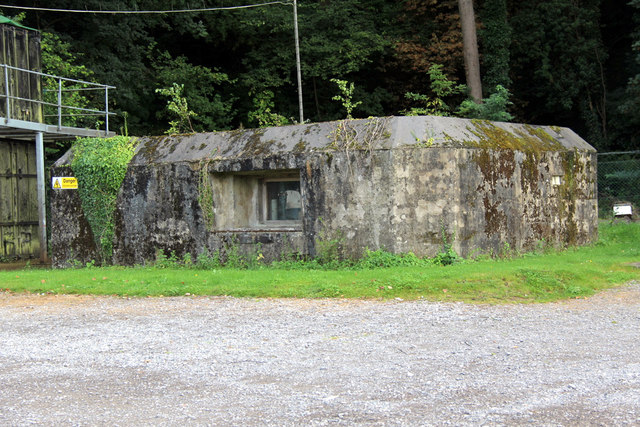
pixel 536 277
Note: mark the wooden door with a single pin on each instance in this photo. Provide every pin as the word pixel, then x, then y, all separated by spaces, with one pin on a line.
pixel 18 200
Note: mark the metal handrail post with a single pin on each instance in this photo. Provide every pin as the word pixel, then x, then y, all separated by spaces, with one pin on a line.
pixel 59 104
pixel 41 194
pixel 6 91
pixel 106 111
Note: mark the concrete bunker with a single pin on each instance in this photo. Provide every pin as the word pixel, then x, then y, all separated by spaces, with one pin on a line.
pixel 398 183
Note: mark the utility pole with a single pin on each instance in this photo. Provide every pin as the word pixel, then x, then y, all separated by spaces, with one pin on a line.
pixel 295 27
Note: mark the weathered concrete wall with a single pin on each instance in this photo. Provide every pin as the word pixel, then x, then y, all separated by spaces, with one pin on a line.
pixel 72 241
pixel 482 200
pixel 157 208
pixel 402 186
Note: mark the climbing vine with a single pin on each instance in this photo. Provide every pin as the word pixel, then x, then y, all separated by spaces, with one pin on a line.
pixel 100 165
pixel 205 195
pixel 352 135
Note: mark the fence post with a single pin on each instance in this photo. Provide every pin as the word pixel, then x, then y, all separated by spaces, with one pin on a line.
pixel 106 111
pixel 59 103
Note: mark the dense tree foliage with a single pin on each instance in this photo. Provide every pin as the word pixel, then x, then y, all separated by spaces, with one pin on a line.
pixel 566 62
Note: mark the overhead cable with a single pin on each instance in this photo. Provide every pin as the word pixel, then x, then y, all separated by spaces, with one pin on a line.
pixel 116 12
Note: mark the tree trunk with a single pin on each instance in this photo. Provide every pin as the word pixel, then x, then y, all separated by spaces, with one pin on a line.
pixel 470 49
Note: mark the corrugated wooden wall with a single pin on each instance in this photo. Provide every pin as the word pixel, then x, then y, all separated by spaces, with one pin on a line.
pixel 20 48
pixel 18 200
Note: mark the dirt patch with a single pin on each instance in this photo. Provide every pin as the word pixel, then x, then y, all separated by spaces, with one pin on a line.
pixel 626 294
pixel 21 264
pixel 623 295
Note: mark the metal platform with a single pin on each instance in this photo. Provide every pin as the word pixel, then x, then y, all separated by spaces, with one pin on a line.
pixel 25 131
pixel 21 100
pixel 27 113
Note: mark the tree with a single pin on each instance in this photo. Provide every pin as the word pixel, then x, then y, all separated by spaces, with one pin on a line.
pixel 492 108
pixel 178 107
pixel 470 48
pixel 425 33
pixel 428 32
pixel 442 88
pixel 346 96
pixel 263 115
pixel 58 59
pixel 566 62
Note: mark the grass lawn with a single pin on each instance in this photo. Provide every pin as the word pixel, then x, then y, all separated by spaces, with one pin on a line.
pixel 534 277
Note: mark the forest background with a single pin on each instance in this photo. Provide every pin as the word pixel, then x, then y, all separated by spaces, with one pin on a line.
pixel 572 63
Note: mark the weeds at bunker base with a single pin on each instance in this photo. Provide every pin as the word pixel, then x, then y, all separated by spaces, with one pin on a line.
pixel 391 183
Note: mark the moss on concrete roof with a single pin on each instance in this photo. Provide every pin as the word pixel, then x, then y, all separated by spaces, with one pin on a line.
pixel 363 134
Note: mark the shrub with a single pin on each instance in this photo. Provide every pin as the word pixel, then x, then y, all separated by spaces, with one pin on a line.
pixel 492 108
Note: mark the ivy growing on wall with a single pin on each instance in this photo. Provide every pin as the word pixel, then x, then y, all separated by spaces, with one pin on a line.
pixel 205 195
pixel 100 165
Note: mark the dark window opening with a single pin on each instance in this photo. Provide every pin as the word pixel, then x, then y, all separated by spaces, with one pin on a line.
pixel 283 200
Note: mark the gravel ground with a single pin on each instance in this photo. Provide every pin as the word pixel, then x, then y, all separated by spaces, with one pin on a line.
pixel 80 360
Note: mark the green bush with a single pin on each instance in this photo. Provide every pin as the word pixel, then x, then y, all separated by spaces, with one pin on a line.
pixel 492 108
pixel 447 257
pixel 442 88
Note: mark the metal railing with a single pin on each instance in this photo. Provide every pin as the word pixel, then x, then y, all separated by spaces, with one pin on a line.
pixel 618 180
pixel 63 85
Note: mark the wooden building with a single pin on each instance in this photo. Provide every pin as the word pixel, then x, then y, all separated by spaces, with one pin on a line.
pixel 19 48
pixel 23 131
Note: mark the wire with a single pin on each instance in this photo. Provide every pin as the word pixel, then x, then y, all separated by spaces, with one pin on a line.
pixel 115 12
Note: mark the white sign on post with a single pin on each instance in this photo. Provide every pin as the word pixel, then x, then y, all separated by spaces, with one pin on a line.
pixel 622 210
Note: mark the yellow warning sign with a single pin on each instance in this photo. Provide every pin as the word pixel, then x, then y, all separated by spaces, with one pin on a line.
pixel 64 183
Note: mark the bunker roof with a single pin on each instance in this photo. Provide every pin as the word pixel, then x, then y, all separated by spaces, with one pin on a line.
pixel 382 133
pixel 363 134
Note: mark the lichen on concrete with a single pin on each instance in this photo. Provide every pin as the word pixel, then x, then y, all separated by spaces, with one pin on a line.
pixel 527 138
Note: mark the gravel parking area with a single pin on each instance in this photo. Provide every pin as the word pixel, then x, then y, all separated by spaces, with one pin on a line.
pixel 80 360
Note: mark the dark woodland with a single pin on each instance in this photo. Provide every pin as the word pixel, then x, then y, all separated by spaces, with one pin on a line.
pixel 572 63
